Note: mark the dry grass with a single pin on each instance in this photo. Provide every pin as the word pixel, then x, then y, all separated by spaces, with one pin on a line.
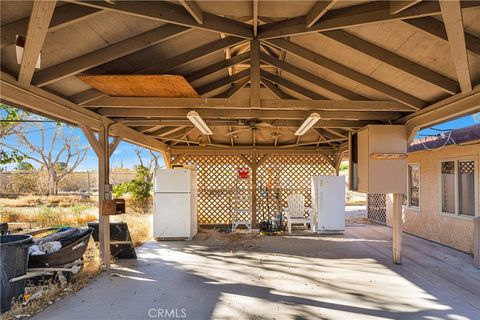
pixel 43 217
pixel 140 226
pixel 49 201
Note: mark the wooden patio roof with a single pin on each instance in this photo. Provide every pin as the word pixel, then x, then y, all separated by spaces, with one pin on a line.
pixel 260 68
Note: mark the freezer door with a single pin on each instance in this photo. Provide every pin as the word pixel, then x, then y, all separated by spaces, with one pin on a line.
pixel 172 216
pixel 330 203
pixel 172 181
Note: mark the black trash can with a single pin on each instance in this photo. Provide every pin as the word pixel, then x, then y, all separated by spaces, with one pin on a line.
pixel 14 263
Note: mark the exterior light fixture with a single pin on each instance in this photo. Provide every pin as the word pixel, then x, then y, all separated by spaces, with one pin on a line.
pixel 307 124
pixel 198 122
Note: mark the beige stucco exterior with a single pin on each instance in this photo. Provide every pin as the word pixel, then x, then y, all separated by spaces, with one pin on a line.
pixel 428 222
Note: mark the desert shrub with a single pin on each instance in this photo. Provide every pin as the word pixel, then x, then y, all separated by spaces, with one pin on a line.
pixel 139 188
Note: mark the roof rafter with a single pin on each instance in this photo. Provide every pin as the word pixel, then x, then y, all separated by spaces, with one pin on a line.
pixel 374 12
pixel 446 84
pixel 436 28
pixel 347 72
pixel 107 54
pixel 171 13
pixel 317 11
pixel 237 86
pixel 42 12
pixel 223 82
pixel 218 66
pixel 275 89
pixel 191 55
pixel 291 86
pixel 400 5
pixel 194 9
pixel 310 77
pixel 452 17
pixel 63 16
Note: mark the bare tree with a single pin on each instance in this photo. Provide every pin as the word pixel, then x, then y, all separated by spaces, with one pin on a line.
pixel 58 154
pixel 152 163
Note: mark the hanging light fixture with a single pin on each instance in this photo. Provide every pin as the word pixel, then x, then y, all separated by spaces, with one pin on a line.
pixel 198 122
pixel 307 124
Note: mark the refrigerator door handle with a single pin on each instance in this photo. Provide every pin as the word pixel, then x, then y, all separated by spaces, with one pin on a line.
pixel 321 200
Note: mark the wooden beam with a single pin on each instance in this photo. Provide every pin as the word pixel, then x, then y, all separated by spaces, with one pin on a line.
pixel 374 12
pixel 436 28
pixel 452 17
pixel 276 90
pixel 200 52
pixel 431 77
pixel 400 5
pixel 291 86
pixel 107 54
pixel 172 13
pixel 211 150
pixel 447 109
pixel 223 82
pixel 161 130
pixel 317 11
pixel 237 86
pixel 343 124
pixel 255 17
pixel 266 104
pixel 193 8
pixel 40 17
pixel 113 145
pixel 172 131
pixel 92 140
pixel 310 77
pixel 48 104
pixel 218 66
pixel 63 16
pixel 254 74
pixel 247 114
pixel 86 96
pixel 347 72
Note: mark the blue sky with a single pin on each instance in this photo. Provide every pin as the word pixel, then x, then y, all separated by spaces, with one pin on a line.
pixel 125 154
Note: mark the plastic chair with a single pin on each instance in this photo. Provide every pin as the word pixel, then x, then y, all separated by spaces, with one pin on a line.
pixel 295 212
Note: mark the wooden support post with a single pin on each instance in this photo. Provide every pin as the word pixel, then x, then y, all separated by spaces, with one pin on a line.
pixel 476 243
pixel 397 225
pixel 254 190
pixel 101 148
pixel 167 159
pixel 104 194
pixel 338 162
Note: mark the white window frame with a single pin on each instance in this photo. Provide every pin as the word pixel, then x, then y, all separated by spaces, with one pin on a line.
pixel 457 203
pixel 417 208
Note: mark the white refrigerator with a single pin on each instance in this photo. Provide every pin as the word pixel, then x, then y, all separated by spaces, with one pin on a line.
pixel 175 204
pixel 328 201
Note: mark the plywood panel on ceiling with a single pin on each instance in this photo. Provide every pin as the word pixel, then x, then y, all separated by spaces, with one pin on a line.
pixel 141 85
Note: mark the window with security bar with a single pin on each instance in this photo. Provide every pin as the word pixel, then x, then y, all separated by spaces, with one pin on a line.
pixel 458 187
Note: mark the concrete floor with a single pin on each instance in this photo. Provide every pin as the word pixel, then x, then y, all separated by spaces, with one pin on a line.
pixel 296 277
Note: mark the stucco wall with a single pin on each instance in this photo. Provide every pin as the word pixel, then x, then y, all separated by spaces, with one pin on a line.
pixel 428 222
